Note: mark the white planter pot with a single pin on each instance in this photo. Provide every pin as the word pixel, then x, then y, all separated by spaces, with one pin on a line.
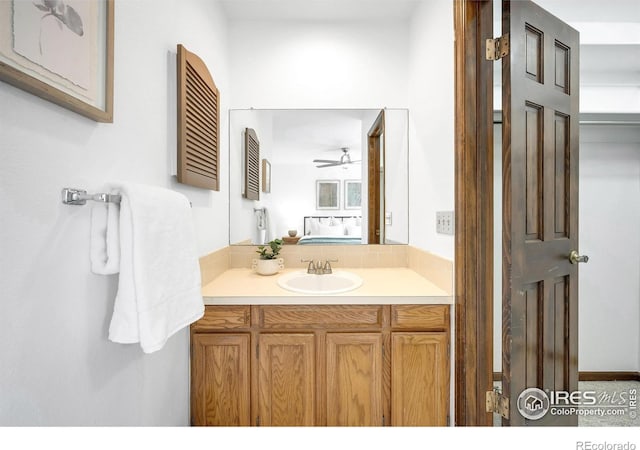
pixel 267 266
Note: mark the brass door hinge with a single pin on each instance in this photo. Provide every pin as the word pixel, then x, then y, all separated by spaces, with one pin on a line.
pixel 498 48
pixel 497 403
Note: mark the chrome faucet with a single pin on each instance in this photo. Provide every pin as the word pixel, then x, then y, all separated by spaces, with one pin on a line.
pixel 317 268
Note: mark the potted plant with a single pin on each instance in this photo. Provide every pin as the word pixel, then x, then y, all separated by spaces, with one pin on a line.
pixel 269 263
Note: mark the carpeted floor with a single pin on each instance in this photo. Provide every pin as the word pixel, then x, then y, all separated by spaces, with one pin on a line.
pixel 618 392
pixel 607 393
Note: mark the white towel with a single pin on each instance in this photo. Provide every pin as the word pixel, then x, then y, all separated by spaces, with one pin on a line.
pixel 105 238
pixel 159 288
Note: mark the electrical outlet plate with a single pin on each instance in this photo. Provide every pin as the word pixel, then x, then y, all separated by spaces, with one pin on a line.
pixel 445 222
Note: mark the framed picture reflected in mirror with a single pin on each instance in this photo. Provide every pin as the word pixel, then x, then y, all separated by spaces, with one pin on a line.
pixel 352 194
pixel 328 194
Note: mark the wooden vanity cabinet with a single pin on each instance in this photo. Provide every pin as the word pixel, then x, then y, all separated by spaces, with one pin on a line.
pixel 317 365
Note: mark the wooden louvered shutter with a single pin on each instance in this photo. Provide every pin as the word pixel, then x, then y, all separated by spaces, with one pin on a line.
pixel 252 165
pixel 198 123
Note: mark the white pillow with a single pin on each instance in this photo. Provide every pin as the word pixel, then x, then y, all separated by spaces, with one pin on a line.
pixel 313 227
pixel 331 230
pixel 349 221
pixel 354 230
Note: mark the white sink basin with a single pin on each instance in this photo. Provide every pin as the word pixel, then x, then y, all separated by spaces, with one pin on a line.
pixel 332 283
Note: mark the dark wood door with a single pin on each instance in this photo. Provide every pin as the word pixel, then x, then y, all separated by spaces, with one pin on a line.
pixel 540 215
pixel 376 147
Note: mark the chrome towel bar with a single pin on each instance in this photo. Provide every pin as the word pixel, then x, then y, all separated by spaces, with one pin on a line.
pixel 71 196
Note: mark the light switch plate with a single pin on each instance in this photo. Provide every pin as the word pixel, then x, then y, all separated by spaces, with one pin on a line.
pixel 445 222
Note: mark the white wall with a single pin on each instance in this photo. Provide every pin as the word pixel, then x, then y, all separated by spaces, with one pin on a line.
pixel 58 368
pixel 316 64
pixel 396 136
pixel 431 104
pixel 609 313
pixel 609 218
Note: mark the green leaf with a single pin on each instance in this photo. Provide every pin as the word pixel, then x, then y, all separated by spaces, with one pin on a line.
pixel 41 7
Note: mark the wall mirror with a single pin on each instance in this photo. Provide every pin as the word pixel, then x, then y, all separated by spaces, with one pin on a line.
pixel 336 176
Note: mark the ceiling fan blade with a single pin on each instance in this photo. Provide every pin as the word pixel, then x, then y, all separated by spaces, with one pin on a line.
pixel 333 164
pixel 326 161
pixel 356 161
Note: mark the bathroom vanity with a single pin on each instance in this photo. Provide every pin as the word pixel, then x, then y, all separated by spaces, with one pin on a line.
pixel 376 356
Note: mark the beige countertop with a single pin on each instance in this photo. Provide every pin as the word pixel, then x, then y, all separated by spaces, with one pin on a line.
pixel 380 286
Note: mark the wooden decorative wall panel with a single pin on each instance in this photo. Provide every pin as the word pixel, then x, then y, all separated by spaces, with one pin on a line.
pixel 251 165
pixel 198 123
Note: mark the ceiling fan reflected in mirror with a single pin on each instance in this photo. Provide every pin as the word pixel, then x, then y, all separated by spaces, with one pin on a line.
pixel 343 161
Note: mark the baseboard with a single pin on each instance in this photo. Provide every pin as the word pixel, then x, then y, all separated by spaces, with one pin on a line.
pixel 595 376
pixel 609 376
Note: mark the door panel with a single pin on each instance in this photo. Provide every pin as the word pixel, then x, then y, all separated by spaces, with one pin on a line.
pixel 354 379
pixel 286 380
pixel 540 206
pixel 419 379
pixel 220 380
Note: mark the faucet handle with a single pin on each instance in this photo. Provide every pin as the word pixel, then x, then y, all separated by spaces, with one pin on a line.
pixel 312 268
pixel 327 266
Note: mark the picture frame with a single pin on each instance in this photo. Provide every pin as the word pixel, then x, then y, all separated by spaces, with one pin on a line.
pixel 352 194
pixel 327 194
pixel 61 51
pixel 266 176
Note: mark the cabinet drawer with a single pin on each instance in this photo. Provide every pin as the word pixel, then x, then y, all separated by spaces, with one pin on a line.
pixel 223 318
pixel 426 317
pixel 330 316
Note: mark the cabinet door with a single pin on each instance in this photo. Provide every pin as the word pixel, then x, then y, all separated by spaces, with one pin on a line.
pixel 286 380
pixel 354 379
pixel 220 379
pixel 419 379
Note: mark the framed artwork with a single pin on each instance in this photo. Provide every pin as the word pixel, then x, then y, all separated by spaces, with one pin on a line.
pixel 266 176
pixel 352 194
pixel 328 194
pixel 61 51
